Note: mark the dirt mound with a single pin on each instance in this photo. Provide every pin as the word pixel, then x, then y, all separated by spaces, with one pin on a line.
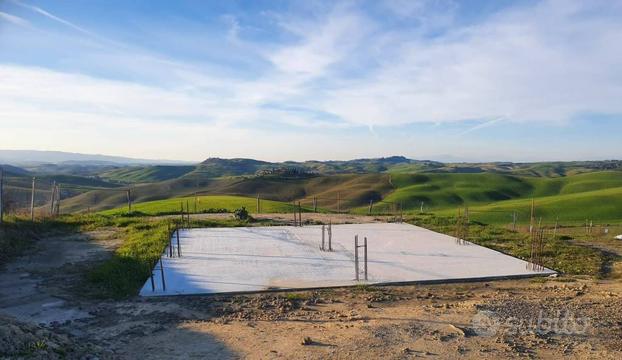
pixel 20 340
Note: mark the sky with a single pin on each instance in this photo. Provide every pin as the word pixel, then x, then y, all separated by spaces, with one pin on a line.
pixel 472 80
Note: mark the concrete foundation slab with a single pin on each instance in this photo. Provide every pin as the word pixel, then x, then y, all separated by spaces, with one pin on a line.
pixel 247 259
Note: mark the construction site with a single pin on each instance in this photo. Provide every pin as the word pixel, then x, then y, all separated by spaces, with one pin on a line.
pixel 251 259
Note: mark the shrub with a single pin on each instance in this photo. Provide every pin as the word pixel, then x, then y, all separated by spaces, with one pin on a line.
pixel 241 214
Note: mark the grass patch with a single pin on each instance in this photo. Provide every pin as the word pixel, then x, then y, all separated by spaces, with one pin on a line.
pixel 560 255
pixel 144 242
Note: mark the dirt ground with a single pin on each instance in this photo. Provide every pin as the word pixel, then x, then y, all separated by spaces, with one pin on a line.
pixel 43 314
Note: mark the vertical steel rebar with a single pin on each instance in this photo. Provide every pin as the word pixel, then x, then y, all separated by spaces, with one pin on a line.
pixel 178 247
pixel 365 257
pixel 356 257
pixel 162 274
pixel 330 236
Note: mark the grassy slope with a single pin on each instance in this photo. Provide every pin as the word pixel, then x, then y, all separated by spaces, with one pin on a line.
pixel 143 174
pixel 204 204
pixel 595 195
pixel 600 205
pixel 356 188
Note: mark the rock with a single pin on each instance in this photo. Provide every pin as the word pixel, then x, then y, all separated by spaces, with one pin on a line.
pixel 457 329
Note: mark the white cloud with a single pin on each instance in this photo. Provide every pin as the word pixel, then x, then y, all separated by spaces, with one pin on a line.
pixel 547 63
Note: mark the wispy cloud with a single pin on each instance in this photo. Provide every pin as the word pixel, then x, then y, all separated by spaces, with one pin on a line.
pixel 482 125
pixel 47 14
pixel 13 19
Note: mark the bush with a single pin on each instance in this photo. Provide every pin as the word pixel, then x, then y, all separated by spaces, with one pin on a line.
pixel 241 214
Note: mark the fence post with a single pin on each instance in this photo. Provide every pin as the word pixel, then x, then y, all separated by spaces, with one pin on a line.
pixel 339 201
pixel 371 203
pixel 129 201
pixel 32 200
pixel 314 204
pixel 257 203
pixel 323 227
pixel 299 215
pixel 53 198
pixel 58 200
pixel 356 256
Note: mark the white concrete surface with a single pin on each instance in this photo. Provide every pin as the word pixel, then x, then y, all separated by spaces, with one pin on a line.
pixel 221 260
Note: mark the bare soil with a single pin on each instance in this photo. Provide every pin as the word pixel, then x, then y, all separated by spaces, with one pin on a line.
pixel 44 313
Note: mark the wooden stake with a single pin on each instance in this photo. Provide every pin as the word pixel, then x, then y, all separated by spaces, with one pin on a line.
pixel 323 227
pixel 52 198
pixel 129 201
pixel 314 204
pixel 57 199
pixel 257 203
pixel 371 203
pixel 339 201
pixel 533 214
pixel 401 215
pixel 32 200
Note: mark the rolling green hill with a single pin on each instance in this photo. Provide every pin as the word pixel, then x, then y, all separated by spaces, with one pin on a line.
pixel 146 174
pixel 212 203
pixel 599 205
pixel 440 191
pixel 354 190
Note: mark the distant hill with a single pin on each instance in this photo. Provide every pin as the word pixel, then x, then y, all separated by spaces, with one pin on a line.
pixel 10 170
pixel 19 157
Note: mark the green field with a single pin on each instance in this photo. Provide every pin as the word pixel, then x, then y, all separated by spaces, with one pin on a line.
pixel 207 204
pixel 146 174
pixel 601 206
pixel 494 197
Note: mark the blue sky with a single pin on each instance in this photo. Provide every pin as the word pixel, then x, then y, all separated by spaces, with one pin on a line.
pixel 278 80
